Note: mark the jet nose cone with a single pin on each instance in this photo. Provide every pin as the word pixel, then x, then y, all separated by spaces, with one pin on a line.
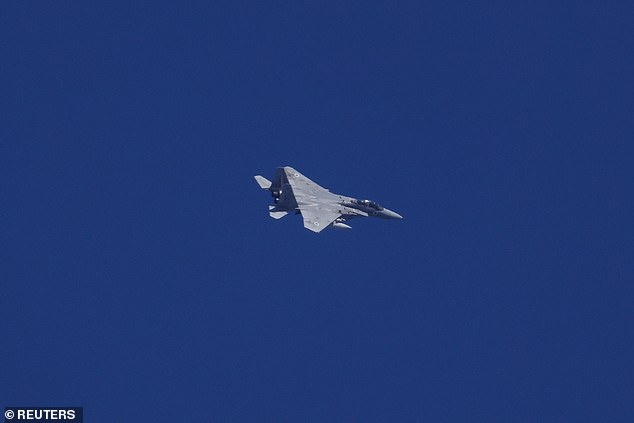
pixel 392 215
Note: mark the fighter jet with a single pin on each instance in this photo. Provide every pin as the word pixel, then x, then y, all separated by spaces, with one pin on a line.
pixel 294 193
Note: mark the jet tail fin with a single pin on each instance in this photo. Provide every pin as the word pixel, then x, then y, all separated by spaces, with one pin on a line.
pixel 263 182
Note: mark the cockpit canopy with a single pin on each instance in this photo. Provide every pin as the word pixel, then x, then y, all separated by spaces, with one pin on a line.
pixel 370 204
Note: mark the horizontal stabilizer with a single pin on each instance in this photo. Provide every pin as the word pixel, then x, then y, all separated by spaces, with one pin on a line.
pixel 276 214
pixel 262 182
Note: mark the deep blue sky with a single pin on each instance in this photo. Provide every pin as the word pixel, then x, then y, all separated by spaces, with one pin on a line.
pixel 142 278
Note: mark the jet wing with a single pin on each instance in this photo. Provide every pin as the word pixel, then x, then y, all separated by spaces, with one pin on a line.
pixel 304 187
pixel 318 206
pixel 316 218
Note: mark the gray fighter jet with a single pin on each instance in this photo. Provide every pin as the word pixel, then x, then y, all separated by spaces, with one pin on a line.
pixel 292 192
